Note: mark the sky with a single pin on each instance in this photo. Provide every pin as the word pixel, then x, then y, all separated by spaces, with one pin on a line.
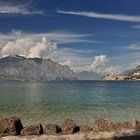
pixel 101 36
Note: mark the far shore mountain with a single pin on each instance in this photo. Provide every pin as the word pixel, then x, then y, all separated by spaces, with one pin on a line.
pixel 133 74
pixel 87 75
pixel 38 69
pixel 34 69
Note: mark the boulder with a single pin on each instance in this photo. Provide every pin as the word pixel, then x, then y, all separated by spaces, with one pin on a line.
pixel 122 126
pixel 69 127
pixel 102 125
pixel 35 129
pixel 52 129
pixel 137 125
pixel 10 126
pixel 84 128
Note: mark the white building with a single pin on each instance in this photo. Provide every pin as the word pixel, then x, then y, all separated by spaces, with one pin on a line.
pixel 136 73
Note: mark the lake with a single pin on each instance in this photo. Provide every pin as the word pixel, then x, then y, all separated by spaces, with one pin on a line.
pixel 83 101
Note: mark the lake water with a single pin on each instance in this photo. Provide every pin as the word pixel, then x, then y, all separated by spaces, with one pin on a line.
pixel 83 101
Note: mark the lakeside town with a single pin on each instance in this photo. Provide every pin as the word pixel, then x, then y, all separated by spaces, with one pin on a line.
pixel 132 76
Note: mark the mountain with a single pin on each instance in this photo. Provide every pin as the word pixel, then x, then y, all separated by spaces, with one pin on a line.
pixel 86 75
pixel 135 74
pixel 34 69
pixel 127 72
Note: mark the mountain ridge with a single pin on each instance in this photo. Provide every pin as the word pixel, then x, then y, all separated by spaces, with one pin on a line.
pixel 34 69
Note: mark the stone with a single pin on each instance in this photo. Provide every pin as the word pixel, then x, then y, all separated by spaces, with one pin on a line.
pixel 69 127
pixel 52 129
pixel 137 125
pixel 35 129
pixel 10 126
pixel 84 128
pixel 102 125
pixel 122 126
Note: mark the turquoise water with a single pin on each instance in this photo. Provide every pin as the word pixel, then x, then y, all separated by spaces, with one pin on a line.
pixel 83 101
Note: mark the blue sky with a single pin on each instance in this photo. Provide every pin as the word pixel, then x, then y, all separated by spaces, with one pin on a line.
pixel 93 35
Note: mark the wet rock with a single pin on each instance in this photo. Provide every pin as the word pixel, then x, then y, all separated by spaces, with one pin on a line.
pixel 102 125
pixel 69 127
pixel 122 126
pixel 52 129
pixel 137 125
pixel 35 129
pixel 84 128
pixel 10 126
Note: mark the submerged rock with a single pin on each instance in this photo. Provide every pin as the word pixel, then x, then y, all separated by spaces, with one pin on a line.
pixel 35 129
pixel 102 125
pixel 52 129
pixel 10 126
pixel 69 127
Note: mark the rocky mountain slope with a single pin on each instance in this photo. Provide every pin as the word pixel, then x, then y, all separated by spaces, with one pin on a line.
pixel 134 74
pixel 34 69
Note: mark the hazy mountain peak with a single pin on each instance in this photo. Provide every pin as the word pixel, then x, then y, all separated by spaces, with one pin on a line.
pixel 22 68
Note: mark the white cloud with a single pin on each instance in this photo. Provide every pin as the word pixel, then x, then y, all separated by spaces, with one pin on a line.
pixel 72 57
pixel 57 37
pixel 98 62
pixel 14 48
pixel 69 37
pixel 17 9
pixel 29 48
pixel 29 45
pixel 42 48
pixel 100 65
pixel 118 17
pixel 133 47
pixel 79 59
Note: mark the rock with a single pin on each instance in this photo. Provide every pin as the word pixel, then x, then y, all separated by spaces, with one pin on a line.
pixel 35 129
pixel 85 128
pixel 122 126
pixel 102 125
pixel 10 126
pixel 137 125
pixel 69 127
pixel 127 137
pixel 52 129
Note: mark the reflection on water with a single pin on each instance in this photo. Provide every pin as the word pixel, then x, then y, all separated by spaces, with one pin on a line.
pixel 83 101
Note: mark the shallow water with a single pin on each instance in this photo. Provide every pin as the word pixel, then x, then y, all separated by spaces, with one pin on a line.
pixel 83 101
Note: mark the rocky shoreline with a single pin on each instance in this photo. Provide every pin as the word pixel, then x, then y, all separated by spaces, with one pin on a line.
pixel 103 129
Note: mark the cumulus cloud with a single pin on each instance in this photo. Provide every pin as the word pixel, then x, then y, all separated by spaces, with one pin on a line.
pixel 118 17
pixel 100 65
pixel 43 45
pixel 98 62
pixel 41 48
pixel 47 45
pixel 29 48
